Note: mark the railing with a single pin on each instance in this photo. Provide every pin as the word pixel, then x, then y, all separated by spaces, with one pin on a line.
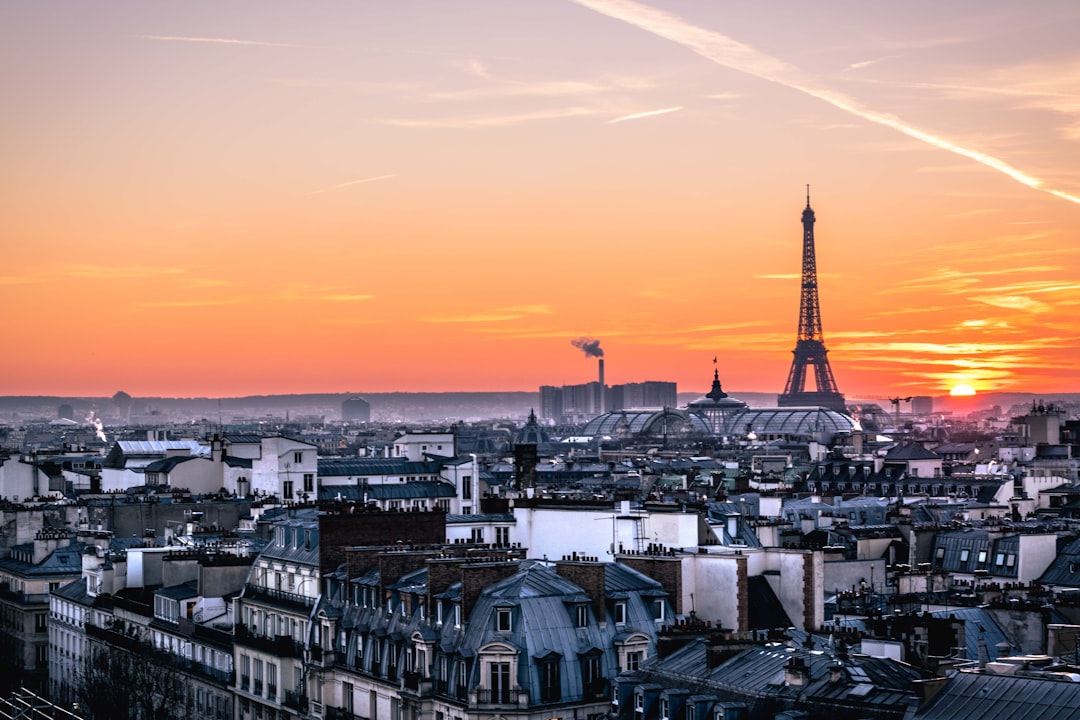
pixel 336 713
pixel 281 645
pixel 296 701
pixel 23 598
pixel 498 696
pixel 264 593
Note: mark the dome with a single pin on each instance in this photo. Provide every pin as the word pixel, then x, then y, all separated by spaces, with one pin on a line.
pixel 652 423
pixel 792 421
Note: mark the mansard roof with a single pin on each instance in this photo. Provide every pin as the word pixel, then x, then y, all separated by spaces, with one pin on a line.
pixel 910 451
pixel 347 467
pixel 970 696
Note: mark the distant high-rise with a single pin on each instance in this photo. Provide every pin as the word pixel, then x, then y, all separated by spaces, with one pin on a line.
pixel 922 405
pixel 356 409
pixel 810 345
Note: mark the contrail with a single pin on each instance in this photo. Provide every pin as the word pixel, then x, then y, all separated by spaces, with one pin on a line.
pixel 646 114
pixel 351 182
pixel 722 50
pixel 220 41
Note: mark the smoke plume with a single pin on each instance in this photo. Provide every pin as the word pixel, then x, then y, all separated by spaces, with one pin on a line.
pixel 589 346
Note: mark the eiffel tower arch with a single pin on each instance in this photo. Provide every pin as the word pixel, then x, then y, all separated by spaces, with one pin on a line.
pixel 810 353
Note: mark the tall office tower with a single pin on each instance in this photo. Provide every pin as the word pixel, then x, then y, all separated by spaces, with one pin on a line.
pixel 810 345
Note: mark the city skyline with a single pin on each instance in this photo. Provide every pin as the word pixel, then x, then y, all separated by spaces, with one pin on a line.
pixel 210 200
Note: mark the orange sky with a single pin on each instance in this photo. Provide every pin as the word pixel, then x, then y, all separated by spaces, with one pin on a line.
pixel 215 200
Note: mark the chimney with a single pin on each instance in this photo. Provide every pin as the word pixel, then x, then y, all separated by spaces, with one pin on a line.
pixel 590 577
pixel 600 363
pixel 796 672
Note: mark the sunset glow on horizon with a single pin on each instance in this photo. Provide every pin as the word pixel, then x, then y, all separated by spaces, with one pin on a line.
pixel 220 200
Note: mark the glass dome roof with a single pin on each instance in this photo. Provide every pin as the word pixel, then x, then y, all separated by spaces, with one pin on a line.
pixel 645 422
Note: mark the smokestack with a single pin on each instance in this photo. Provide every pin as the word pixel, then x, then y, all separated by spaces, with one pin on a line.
pixel 601 364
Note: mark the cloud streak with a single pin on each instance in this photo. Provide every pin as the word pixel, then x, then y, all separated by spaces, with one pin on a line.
pixel 729 53
pixel 215 40
pixel 648 113
pixel 351 183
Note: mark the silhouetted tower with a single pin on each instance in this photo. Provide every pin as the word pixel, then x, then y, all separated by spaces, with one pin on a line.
pixel 810 346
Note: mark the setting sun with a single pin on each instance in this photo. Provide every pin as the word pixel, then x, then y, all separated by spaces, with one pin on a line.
pixel 962 390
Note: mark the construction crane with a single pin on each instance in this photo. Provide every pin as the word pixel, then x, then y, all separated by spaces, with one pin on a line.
pixel 896 407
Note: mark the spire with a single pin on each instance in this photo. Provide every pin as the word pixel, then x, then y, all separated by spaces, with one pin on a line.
pixel 807 196
pixel 717 392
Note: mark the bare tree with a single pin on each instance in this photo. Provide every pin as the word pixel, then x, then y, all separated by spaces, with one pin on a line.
pixel 140 683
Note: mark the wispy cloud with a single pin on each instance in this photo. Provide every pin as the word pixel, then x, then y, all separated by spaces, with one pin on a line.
pixel 216 40
pixel 1013 302
pixel 648 113
pixel 483 121
pixel 191 303
pixel 119 272
pixel 724 51
pixel 350 183
pixel 514 312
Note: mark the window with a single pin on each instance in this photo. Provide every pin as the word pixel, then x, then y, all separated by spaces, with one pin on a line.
pixel 982 559
pixel 39 621
pixel 298 457
pixel 499 682
pixel 502 536
pixel 620 613
pixel 964 555
pixel 664 709
pixel 691 712
pixel 940 555
pixel 502 621
pixel 658 610
pixel 550 686
pixel 287 489
pixel 257 686
pixel 466 487
pixel 245 671
pixel 466 510
pixel 271 680
pixel 581 616
pixel 347 697
pixel 633 659
pixel 999 559
pixel 477 534
pixel 309 482
pixel 592 682
pixel 1010 560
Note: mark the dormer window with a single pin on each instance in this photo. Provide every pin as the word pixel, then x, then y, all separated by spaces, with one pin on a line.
pixel 620 613
pixel 581 616
pixel 502 620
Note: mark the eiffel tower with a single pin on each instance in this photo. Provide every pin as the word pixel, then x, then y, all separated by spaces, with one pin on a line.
pixel 810 346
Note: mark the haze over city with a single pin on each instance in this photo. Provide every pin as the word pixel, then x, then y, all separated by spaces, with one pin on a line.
pixel 220 200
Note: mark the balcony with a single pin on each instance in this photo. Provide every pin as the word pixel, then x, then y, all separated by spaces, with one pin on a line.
pixel 336 713
pixel 296 701
pixel 258 592
pixel 280 645
pixel 498 696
